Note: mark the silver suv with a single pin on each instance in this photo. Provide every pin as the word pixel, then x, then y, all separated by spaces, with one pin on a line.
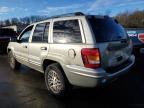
pixel 73 49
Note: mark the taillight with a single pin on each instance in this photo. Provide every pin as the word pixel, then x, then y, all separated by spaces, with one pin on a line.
pixel 141 37
pixel 91 57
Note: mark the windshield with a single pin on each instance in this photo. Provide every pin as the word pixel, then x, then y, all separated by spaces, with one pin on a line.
pixel 106 29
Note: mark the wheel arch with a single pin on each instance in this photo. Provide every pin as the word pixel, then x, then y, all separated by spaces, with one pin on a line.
pixel 48 62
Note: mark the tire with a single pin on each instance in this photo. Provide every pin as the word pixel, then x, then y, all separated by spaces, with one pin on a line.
pixel 13 62
pixel 56 81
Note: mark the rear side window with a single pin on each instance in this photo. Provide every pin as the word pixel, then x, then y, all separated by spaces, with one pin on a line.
pixel 106 29
pixel 67 32
pixel 41 33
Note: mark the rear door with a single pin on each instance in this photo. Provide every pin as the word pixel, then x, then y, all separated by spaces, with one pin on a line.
pixel 38 47
pixel 112 40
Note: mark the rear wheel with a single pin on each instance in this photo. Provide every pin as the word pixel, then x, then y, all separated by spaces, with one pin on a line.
pixel 56 81
pixel 12 61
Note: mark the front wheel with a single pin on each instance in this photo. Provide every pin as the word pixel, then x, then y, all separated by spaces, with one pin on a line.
pixel 12 61
pixel 56 81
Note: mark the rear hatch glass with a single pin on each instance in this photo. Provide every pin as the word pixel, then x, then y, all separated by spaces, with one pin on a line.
pixel 106 29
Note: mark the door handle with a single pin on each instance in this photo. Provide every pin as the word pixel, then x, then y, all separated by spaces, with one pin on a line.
pixel 43 48
pixel 24 46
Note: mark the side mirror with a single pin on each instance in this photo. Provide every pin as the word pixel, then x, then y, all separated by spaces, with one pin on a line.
pixel 116 21
pixel 18 41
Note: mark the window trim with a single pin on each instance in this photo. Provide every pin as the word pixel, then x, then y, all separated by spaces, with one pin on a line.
pixel 47 32
pixel 82 31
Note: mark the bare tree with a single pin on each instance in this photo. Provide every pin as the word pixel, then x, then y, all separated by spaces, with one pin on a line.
pixel 131 20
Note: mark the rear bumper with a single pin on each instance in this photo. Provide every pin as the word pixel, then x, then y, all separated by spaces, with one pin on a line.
pixel 126 69
pixel 85 77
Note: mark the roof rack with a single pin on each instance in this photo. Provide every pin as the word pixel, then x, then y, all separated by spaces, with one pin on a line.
pixel 68 15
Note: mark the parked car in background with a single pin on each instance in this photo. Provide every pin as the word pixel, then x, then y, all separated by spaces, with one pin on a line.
pixel 74 49
pixel 137 36
pixel 5 37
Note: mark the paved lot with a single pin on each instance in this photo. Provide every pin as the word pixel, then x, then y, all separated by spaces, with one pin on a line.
pixel 25 88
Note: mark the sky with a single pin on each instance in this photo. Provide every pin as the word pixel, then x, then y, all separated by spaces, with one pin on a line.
pixel 21 8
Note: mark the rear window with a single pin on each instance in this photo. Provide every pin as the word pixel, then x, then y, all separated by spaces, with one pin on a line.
pixel 106 29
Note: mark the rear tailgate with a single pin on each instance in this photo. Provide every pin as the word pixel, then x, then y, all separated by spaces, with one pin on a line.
pixel 114 45
pixel 114 53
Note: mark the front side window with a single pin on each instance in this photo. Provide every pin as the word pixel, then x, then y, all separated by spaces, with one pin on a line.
pixel 26 34
pixel 41 33
pixel 67 32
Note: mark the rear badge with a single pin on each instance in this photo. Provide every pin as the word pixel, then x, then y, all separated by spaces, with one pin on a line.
pixel 141 37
